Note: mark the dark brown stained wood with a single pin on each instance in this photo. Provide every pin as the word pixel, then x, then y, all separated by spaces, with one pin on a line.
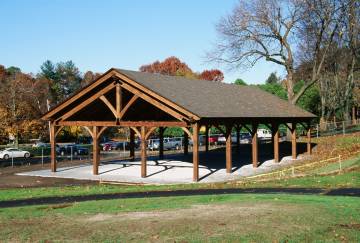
pixel 156 95
pixel 57 130
pixel 143 151
pixel 293 141
pixel 124 123
pixel 309 140
pixel 161 142
pixel 109 105
pixel 275 134
pixel 149 131
pixel 136 130
pixel 153 102
pixel 195 152
pixel 87 102
pixel 81 92
pixel 127 106
pixel 206 138
pixel 187 131
pixel 132 144
pixel 228 149
pixel 240 101
pixel 53 146
pixel 96 150
pixel 186 143
pixel 254 144
pixel 118 100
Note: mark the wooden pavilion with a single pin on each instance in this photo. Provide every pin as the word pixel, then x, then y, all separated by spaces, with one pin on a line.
pixel 144 102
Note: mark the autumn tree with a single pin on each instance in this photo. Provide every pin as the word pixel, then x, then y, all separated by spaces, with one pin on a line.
pixel 89 77
pixel 173 66
pixel 170 66
pixel 212 75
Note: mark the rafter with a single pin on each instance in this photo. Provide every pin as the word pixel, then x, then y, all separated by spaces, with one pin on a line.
pixel 109 105
pixel 153 101
pixel 86 102
pixel 131 101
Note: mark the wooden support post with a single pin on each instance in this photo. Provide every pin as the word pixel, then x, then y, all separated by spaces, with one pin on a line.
pixel 161 142
pixel 143 152
pixel 132 144
pixel 228 149
pixel 293 140
pixel 254 145
pixel 186 143
pixel 195 152
pixel 53 147
pixel 206 138
pixel 238 128
pixel 309 139
pixel 275 134
pixel 96 150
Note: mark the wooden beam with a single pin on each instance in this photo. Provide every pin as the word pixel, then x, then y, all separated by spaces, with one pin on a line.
pixel 149 131
pixel 96 151
pixel 57 130
pixel 136 131
pixel 89 130
pixel 87 102
pixel 156 96
pixel 53 147
pixel 124 123
pixel 102 129
pixel 154 102
pixel 187 131
pixel 109 105
pixel 228 149
pixel 118 100
pixel 309 140
pixel 127 106
pixel 143 152
pixel 293 141
pixel 196 152
pixel 99 81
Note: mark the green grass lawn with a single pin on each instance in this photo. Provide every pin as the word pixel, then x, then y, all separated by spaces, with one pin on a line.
pixel 214 218
pixel 341 180
pixel 209 218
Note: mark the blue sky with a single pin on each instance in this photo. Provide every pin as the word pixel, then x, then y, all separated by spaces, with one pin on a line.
pixel 98 35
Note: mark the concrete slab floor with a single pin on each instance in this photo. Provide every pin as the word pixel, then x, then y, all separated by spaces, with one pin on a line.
pixel 167 171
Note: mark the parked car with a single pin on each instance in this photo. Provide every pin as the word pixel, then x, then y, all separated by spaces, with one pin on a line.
pixel 245 138
pixel 169 143
pixel 264 134
pixel 14 153
pixel 39 145
pixel 72 148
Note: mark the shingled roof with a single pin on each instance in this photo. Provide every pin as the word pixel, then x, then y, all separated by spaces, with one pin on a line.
pixel 208 99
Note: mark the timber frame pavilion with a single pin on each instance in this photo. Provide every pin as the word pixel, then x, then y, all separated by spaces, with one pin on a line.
pixel 144 102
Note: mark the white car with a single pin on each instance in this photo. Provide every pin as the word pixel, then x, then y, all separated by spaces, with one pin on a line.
pixel 264 134
pixel 13 153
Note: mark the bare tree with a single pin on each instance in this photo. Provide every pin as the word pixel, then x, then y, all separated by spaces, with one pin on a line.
pixel 276 31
